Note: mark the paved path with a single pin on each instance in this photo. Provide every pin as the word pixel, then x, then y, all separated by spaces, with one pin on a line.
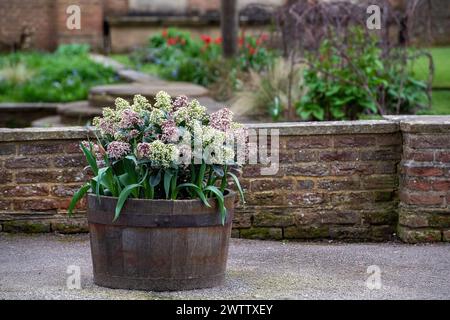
pixel 34 267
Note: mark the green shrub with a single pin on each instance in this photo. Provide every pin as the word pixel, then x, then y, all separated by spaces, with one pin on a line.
pixel 182 57
pixel 66 75
pixel 344 86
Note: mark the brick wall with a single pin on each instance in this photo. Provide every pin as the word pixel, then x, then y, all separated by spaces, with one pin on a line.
pixel 337 180
pixel 34 18
pixel 424 212
pixel 39 171
pixel 91 30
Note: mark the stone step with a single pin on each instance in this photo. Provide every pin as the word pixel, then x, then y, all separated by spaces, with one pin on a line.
pixel 104 96
pixel 47 122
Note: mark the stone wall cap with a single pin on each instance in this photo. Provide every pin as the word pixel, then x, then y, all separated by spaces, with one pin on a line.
pixel 329 127
pixel 423 124
pixel 55 133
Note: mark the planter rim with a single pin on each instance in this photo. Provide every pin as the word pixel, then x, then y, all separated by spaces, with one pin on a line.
pixel 230 194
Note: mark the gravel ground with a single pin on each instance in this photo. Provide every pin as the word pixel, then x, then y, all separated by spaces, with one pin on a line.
pixel 34 267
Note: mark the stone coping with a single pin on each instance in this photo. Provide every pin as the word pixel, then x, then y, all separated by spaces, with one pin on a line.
pixel 55 133
pixel 423 124
pixel 329 127
pixel 285 128
pixel 27 106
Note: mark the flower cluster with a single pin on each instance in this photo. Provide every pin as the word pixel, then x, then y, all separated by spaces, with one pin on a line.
pixel 162 134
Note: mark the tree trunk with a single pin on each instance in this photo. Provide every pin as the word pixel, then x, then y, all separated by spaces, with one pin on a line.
pixel 229 25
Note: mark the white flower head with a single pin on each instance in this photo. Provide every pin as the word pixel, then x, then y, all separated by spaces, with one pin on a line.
pixel 163 101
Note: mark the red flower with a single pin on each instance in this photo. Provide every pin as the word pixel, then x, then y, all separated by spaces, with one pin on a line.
pixel 251 50
pixel 262 38
pixel 241 41
pixel 165 33
pixel 218 40
pixel 206 39
pixel 171 41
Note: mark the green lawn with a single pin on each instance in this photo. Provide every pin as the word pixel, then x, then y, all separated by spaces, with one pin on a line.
pixel 125 60
pixel 441 57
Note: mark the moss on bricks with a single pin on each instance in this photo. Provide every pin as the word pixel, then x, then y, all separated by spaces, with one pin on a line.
pixel 419 235
pixel 262 233
pixel 26 226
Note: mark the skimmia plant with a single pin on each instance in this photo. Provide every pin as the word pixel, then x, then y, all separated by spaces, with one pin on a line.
pixel 170 150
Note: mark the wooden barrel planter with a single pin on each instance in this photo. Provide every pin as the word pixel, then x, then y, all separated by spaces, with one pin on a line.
pixel 159 245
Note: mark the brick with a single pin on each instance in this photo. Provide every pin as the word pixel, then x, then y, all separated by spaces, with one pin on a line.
pixel 271 184
pixel 70 225
pixel 5 177
pixel 28 162
pixel 381 215
pixel 24 191
pixel 446 235
pixel 305 199
pixel 40 148
pixel 423 198
pixel 418 184
pixel 262 233
pixel 307 170
pixel 265 198
pixel 307 232
pixel 393 139
pixel 36 205
pixel 349 232
pixel 72 147
pixel 354 141
pixel 382 233
pixel 413 220
pixel 305 184
pixel 36 176
pixel 381 154
pixel 443 156
pixel 243 218
pixel 352 168
pixel 418 155
pixel 5 205
pixel 22 226
pixel 340 216
pixel 68 161
pixel 310 142
pixel 7 149
pixel 386 167
pixel 339 155
pixel 64 190
pixel 424 171
pixel 273 219
pixel 419 235
pixel 71 175
pixel 341 184
pixel 298 156
pixel 440 185
pixel 428 141
pixel 379 182
pixel 235 233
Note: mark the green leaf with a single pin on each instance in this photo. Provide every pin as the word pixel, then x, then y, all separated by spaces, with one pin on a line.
pixel 238 185
pixel 167 180
pixel 124 194
pixel 77 197
pixel 155 179
pixel 197 190
pixel 218 170
pixel 220 201
pixel 90 159
pixel 123 197
pixel 201 175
